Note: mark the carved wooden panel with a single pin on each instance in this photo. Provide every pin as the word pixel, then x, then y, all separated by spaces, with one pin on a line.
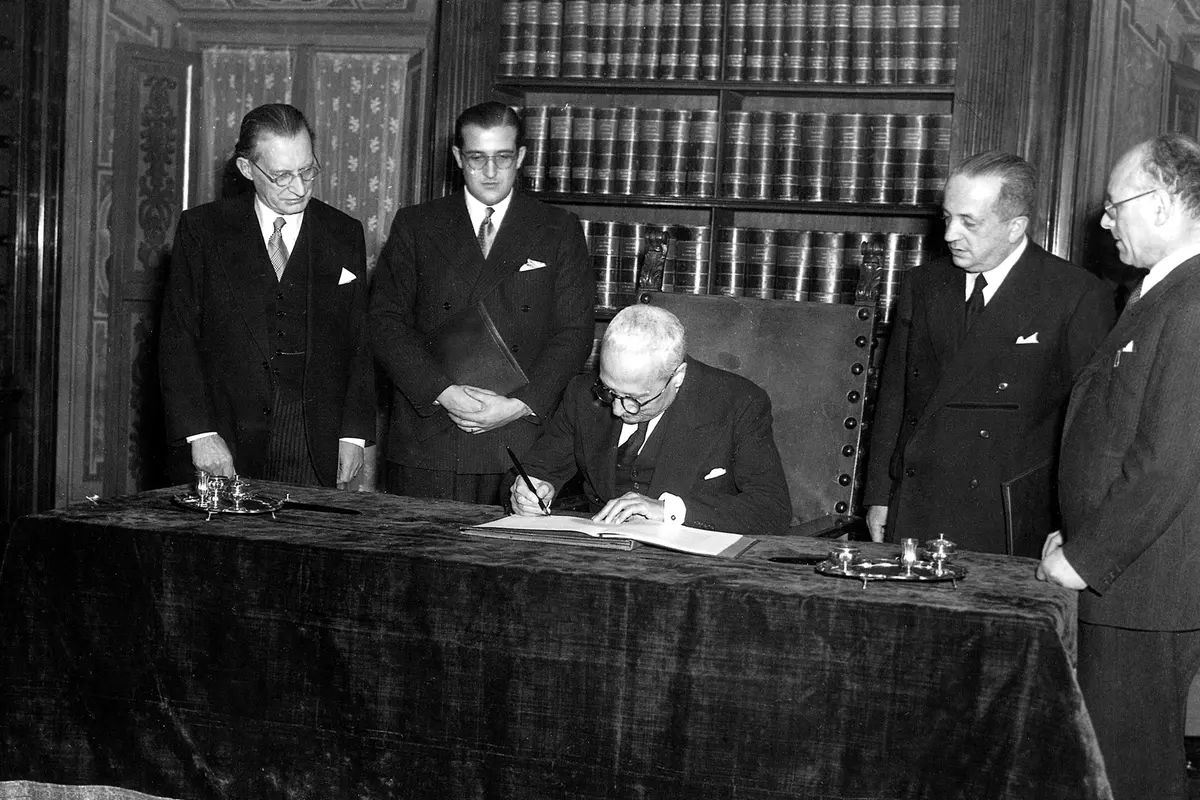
pixel 156 90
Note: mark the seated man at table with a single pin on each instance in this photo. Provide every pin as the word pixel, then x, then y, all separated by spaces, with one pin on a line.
pixel 662 437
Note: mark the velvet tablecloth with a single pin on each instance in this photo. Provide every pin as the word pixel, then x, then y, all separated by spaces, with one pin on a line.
pixel 387 655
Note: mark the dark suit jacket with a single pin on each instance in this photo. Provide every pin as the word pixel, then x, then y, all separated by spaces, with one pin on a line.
pixel 954 422
pixel 430 269
pixel 214 349
pixel 718 421
pixel 1130 470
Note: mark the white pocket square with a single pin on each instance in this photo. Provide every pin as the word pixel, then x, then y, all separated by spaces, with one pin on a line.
pixel 531 264
pixel 346 277
pixel 1030 339
pixel 715 473
pixel 1128 348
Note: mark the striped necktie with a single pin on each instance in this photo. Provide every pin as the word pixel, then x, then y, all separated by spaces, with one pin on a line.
pixel 277 249
pixel 487 232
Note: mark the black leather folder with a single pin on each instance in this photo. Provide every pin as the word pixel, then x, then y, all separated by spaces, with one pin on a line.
pixel 473 353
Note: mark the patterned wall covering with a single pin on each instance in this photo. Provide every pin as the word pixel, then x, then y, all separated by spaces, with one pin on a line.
pixel 359 110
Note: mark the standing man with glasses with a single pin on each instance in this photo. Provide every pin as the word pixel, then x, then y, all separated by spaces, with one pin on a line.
pixel 670 440
pixel 983 351
pixel 1130 482
pixel 264 359
pixel 527 262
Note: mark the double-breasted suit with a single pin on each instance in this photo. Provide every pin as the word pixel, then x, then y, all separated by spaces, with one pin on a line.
pixel 216 352
pixel 718 452
pixel 538 287
pixel 967 425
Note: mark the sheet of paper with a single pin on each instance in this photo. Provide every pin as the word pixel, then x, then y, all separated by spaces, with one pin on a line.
pixel 674 537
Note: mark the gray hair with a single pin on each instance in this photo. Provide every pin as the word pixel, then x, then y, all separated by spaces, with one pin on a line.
pixel 1173 160
pixel 650 329
pixel 1018 181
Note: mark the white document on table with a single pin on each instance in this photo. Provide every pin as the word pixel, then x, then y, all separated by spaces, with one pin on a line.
pixel 659 534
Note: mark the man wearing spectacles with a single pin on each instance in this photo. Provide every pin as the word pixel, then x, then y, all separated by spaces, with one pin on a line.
pixel 528 264
pixel 983 350
pixel 264 358
pixel 1130 481
pixel 662 437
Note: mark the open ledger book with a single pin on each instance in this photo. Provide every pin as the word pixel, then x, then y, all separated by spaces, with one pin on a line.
pixel 569 529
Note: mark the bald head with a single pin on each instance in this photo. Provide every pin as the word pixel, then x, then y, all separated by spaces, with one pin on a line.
pixel 1153 203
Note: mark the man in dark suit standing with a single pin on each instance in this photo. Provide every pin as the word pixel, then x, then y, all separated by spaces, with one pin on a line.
pixel 662 437
pixel 983 351
pixel 1130 481
pixel 528 263
pixel 264 355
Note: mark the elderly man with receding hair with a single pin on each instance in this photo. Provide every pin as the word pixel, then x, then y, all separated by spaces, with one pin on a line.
pixel 983 350
pixel 663 437
pixel 1130 481
pixel 264 359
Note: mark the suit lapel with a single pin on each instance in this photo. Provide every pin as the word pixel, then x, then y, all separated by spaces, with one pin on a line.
pixel 245 267
pixel 522 228
pixel 601 461
pixel 683 426
pixel 454 238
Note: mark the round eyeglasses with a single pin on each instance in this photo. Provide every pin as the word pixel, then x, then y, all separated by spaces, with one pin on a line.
pixel 631 404
pixel 284 179
pixel 1110 209
pixel 479 161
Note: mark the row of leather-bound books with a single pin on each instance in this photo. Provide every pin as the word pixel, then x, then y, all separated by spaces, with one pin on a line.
pixel 873 42
pixel 780 264
pixel 763 155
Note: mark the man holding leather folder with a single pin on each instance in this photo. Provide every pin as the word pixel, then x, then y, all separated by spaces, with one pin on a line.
pixel 482 309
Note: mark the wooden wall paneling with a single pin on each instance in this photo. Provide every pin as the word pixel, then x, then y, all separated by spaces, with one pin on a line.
pixel 154 157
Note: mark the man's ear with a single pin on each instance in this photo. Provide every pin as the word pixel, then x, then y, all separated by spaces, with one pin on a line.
pixel 457 156
pixel 1017 226
pixel 244 167
pixel 679 373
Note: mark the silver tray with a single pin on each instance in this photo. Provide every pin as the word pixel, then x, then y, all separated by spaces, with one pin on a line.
pixel 251 504
pixel 893 570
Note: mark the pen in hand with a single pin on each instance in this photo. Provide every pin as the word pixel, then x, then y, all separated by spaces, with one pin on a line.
pixel 525 477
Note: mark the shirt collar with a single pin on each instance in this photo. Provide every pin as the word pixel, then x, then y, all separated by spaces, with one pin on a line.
pixel 478 210
pixel 997 274
pixel 267 217
pixel 1164 267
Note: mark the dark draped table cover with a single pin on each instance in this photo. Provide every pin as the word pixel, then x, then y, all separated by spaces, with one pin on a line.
pixel 387 655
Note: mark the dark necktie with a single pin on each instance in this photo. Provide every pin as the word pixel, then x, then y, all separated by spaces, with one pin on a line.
pixel 627 452
pixel 974 303
pixel 277 250
pixel 487 232
pixel 1135 295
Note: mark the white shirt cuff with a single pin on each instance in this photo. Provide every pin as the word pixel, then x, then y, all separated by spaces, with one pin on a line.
pixel 196 436
pixel 360 442
pixel 674 511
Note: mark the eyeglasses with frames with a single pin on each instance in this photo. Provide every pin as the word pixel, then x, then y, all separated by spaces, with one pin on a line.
pixel 631 404
pixel 479 161
pixel 284 179
pixel 1110 209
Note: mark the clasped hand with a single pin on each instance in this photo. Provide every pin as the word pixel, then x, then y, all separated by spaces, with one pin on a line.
pixel 630 505
pixel 476 410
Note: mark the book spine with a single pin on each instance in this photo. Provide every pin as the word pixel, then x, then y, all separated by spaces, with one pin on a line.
pixel 631 45
pixel 849 157
pixel 675 153
pixel 862 42
pixel 575 39
pixel 908 41
pixel 839 41
pixel 884 50
pixel 735 161
pixel 816 41
pixel 651 39
pixel 793 265
pixel 536 121
pixel 668 55
pixel 762 154
pixel 631 245
pixel 912 158
pixel 550 39
pixel 650 150
pixel 604 150
pixel 795 30
pixel 693 243
pixel 606 260
pixel 773 40
pixel 761 251
pixel 816 139
pixel 788 163
pixel 950 48
pixel 730 276
pixel 614 53
pixel 914 250
pixel 527 56
pixel 735 41
pixel 510 37
pixel 558 173
pixel 891 275
pixel 625 156
pixel 711 36
pixel 932 40
pixel 756 40
pixel 881 158
pixel 691 32
pixel 597 45
pixel 583 146
pixel 938 169
pixel 828 250
pixel 702 154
